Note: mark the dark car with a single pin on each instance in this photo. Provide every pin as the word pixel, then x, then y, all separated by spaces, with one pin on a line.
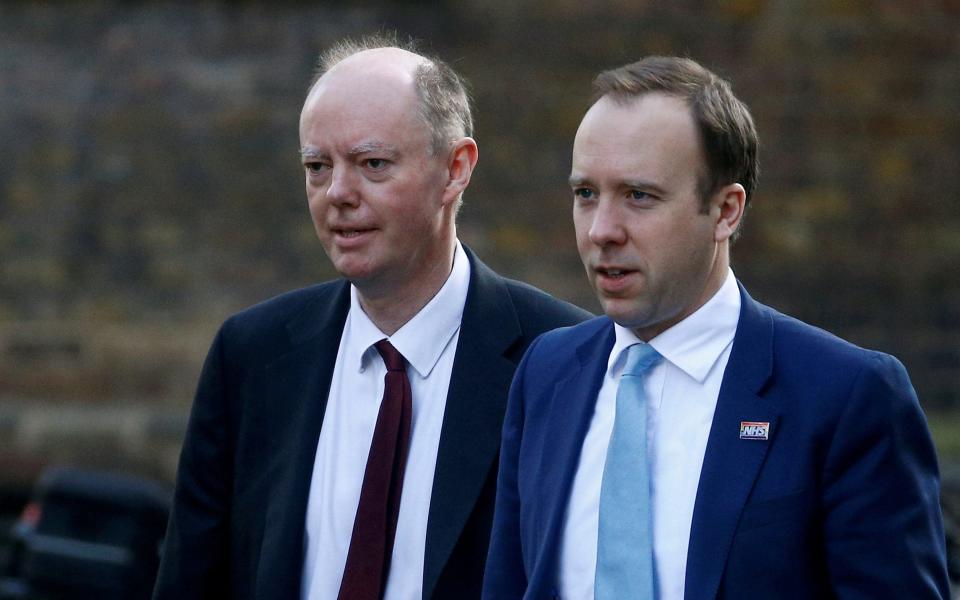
pixel 87 534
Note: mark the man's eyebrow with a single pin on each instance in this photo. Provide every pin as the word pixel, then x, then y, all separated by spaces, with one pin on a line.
pixel 372 146
pixel 310 152
pixel 641 184
pixel 638 184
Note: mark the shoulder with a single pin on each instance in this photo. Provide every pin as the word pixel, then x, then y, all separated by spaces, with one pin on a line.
pixel 538 308
pixel 557 348
pixel 292 314
pixel 286 306
pixel 805 357
pixel 535 310
pixel 806 344
pixel 575 335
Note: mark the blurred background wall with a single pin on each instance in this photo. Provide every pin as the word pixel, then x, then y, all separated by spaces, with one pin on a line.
pixel 150 183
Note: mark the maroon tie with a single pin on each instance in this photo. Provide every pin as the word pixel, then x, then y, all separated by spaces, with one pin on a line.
pixel 368 560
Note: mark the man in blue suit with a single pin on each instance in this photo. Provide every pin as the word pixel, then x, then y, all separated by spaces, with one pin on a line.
pixel 694 443
pixel 382 392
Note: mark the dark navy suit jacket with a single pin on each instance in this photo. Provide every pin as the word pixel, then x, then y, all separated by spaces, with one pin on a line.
pixel 841 500
pixel 237 526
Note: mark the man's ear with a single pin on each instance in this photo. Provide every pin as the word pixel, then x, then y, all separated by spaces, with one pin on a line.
pixel 728 204
pixel 462 159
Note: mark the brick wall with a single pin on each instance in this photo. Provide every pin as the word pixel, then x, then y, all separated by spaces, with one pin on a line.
pixel 149 183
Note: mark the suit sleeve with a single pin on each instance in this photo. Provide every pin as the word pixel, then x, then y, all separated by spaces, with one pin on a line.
pixel 505 577
pixel 194 563
pixel 883 529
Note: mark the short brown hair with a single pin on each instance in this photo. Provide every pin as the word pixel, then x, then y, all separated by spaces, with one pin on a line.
pixel 444 100
pixel 727 131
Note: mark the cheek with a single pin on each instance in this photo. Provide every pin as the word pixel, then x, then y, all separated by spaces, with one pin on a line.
pixel 581 228
pixel 584 247
pixel 313 205
pixel 317 208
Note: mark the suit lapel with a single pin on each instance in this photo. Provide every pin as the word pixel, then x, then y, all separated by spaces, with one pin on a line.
pixel 731 464
pixel 473 417
pixel 571 410
pixel 297 387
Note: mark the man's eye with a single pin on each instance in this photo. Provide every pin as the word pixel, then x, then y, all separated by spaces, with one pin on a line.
pixel 638 195
pixel 313 167
pixel 583 193
pixel 376 163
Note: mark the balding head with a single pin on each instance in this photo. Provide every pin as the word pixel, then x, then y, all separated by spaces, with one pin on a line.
pixel 389 66
pixel 443 102
pixel 383 183
pixel 371 84
pixel 368 58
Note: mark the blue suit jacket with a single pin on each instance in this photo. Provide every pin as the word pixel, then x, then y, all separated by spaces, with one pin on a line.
pixel 237 526
pixel 842 499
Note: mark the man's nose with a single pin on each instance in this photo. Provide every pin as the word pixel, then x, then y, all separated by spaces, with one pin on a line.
pixel 342 190
pixel 607 226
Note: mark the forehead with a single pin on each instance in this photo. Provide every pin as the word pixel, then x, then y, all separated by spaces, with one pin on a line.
pixel 651 136
pixel 357 105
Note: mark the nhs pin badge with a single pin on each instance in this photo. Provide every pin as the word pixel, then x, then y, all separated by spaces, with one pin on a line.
pixel 754 430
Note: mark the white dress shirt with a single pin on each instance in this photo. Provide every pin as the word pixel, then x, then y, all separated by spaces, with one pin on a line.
pixel 682 395
pixel 428 341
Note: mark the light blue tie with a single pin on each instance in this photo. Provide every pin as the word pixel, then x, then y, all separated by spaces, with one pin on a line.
pixel 625 536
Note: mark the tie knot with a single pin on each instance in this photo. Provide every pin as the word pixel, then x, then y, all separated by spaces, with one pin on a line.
pixel 391 356
pixel 640 359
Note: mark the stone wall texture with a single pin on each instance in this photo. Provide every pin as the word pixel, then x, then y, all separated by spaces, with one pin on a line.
pixel 150 184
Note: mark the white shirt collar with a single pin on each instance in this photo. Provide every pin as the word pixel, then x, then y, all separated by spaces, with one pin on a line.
pixel 422 339
pixel 695 343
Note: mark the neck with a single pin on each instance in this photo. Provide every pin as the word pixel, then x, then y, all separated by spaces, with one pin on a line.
pixel 712 284
pixel 719 272
pixel 392 308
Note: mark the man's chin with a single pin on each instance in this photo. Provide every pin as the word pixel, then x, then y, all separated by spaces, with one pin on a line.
pixel 356 272
pixel 623 312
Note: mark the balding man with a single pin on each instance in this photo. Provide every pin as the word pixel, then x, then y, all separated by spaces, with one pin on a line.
pixel 343 440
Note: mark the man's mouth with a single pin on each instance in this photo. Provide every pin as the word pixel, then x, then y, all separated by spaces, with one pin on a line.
pixel 350 233
pixel 613 272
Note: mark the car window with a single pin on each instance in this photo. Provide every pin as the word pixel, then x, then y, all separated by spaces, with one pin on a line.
pixel 88 521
